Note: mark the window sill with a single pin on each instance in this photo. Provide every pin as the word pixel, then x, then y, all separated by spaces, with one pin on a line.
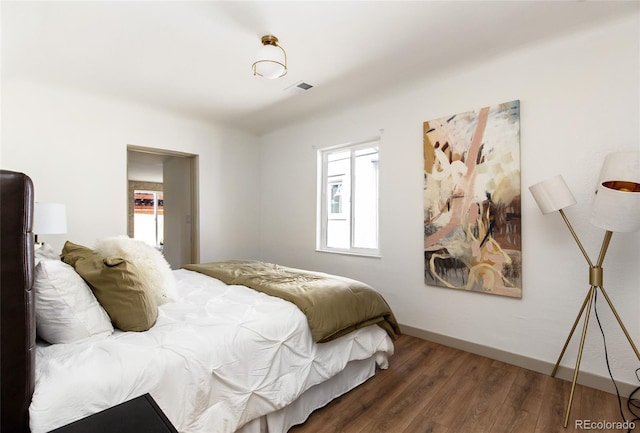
pixel 375 255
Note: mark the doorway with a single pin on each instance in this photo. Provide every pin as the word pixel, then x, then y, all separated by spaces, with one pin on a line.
pixel 162 202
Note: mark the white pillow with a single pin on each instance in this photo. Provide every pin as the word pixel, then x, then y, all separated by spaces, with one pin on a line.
pixel 152 267
pixel 45 252
pixel 66 309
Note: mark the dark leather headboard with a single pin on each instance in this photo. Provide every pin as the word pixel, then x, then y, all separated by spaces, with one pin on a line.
pixel 17 313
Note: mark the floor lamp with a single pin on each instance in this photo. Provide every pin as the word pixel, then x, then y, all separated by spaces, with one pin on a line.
pixel 616 208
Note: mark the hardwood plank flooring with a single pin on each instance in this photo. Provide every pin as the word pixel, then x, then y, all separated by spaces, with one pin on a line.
pixel 430 388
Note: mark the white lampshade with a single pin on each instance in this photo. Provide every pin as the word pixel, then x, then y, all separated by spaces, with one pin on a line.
pixel 616 206
pixel 49 218
pixel 552 194
pixel 271 60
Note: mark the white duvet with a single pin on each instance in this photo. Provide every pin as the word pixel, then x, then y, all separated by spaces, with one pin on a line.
pixel 216 359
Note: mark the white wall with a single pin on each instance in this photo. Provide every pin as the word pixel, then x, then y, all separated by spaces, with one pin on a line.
pixel 74 147
pixel 579 101
pixel 177 207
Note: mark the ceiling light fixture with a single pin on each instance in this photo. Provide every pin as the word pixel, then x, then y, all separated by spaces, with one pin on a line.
pixel 271 61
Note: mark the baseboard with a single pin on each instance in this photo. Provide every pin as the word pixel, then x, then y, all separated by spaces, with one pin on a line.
pixel 588 379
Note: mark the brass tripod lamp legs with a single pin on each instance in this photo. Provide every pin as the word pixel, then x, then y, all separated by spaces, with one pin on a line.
pixel 615 208
pixel 595 280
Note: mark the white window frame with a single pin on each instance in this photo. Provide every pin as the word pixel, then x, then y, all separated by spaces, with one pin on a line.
pixel 324 211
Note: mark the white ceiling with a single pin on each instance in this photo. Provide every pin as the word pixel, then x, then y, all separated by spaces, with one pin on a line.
pixel 195 57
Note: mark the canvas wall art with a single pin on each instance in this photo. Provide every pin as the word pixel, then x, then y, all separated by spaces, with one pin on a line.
pixel 472 228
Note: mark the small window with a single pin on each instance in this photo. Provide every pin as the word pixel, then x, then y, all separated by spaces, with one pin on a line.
pixel 348 199
pixel 148 217
pixel 335 198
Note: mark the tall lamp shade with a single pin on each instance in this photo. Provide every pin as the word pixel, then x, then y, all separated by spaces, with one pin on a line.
pixel 49 218
pixel 616 206
pixel 552 194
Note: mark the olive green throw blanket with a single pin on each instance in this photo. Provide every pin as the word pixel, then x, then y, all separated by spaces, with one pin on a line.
pixel 334 305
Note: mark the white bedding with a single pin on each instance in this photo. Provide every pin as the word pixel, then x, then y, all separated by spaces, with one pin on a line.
pixel 216 359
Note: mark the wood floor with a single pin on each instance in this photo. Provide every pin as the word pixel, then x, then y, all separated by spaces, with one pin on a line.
pixel 430 388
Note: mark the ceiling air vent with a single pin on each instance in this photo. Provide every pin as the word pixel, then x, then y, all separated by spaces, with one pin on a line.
pixel 299 87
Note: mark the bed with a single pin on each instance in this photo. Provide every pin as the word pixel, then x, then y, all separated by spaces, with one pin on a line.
pixel 221 354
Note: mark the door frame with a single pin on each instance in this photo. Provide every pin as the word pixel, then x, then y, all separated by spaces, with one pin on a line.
pixel 195 207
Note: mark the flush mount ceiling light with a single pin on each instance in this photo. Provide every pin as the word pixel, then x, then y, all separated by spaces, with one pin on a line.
pixel 271 61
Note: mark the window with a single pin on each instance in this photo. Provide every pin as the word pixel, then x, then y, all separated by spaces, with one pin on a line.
pixel 335 210
pixel 148 217
pixel 348 199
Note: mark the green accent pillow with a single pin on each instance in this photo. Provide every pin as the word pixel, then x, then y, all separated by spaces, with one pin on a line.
pixel 115 283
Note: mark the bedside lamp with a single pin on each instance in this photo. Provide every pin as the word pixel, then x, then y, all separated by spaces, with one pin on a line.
pixel 616 207
pixel 49 219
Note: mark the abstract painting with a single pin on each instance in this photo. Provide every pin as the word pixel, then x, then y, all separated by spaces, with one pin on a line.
pixel 472 230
